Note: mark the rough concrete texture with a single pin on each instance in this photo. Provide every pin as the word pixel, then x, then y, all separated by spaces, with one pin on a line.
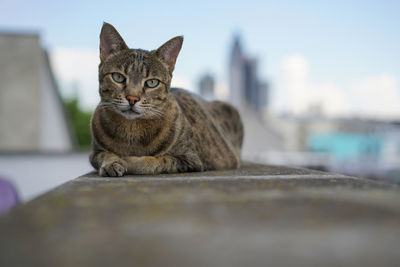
pixel 256 216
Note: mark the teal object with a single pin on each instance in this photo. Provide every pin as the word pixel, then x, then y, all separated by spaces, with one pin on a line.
pixel 345 146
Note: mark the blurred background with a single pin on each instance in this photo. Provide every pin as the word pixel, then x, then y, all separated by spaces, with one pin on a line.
pixel 317 82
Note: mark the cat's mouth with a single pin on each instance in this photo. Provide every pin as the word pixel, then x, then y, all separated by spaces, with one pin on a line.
pixel 130 111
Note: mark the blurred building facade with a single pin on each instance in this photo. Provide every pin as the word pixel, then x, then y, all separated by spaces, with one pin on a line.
pixel 249 94
pixel 32 117
pixel 207 86
pixel 352 146
pixel 245 87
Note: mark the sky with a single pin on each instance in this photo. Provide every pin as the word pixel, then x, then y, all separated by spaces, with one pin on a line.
pixel 343 56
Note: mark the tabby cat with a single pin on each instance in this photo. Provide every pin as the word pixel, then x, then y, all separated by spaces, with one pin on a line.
pixel 142 126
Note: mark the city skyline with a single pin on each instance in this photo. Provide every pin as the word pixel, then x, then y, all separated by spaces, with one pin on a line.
pixel 246 88
pixel 341 55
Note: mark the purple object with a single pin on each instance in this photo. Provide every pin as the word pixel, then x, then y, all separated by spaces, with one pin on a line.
pixel 8 196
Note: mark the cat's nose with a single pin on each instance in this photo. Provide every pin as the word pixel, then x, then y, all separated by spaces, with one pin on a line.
pixel 132 99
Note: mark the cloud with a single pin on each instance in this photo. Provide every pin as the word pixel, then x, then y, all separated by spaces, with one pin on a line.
pixel 221 91
pixel 372 96
pixel 295 83
pixel 76 73
pixel 376 96
pixel 182 82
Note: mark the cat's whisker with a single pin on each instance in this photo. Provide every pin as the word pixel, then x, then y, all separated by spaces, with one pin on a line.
pixel 106 106
pixel 154 108
pixel 156 113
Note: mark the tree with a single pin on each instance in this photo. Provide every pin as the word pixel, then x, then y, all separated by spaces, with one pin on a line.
pixel 80 122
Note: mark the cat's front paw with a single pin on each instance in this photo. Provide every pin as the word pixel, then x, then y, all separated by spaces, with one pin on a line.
pixel 113 169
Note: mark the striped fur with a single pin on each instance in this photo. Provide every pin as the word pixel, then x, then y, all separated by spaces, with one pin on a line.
pixel 168 130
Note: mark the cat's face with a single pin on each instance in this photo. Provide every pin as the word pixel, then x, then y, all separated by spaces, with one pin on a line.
pixel 133 82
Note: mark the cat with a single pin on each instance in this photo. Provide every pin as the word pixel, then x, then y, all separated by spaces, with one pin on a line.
pixel 142 126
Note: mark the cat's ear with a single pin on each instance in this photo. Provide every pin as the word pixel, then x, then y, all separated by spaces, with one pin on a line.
pixel 110 41
pixel 169 51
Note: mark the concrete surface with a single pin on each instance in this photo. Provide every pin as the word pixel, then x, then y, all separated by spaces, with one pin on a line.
pixel 256 216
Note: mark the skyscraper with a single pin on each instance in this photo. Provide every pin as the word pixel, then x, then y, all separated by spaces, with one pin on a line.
pixel 245 88
pixel 206 87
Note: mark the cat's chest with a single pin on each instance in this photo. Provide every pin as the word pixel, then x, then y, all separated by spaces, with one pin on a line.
pixel 134 141
pixel 128 143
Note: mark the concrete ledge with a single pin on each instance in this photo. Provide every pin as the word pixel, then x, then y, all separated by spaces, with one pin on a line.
pixel 255 216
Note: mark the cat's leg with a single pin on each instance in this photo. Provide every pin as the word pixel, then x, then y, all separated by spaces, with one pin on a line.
pixel 163 164
pixel 108 164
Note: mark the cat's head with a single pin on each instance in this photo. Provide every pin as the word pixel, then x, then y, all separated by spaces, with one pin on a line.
pixel 135 82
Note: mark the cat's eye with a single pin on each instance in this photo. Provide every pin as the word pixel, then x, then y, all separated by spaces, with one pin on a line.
pixel 118 77
pixel 152 83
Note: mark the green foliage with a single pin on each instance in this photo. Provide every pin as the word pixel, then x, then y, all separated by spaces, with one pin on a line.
pixel 80 122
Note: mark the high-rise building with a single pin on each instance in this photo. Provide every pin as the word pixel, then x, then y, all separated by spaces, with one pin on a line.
pixel 245 87
pixel 206 87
